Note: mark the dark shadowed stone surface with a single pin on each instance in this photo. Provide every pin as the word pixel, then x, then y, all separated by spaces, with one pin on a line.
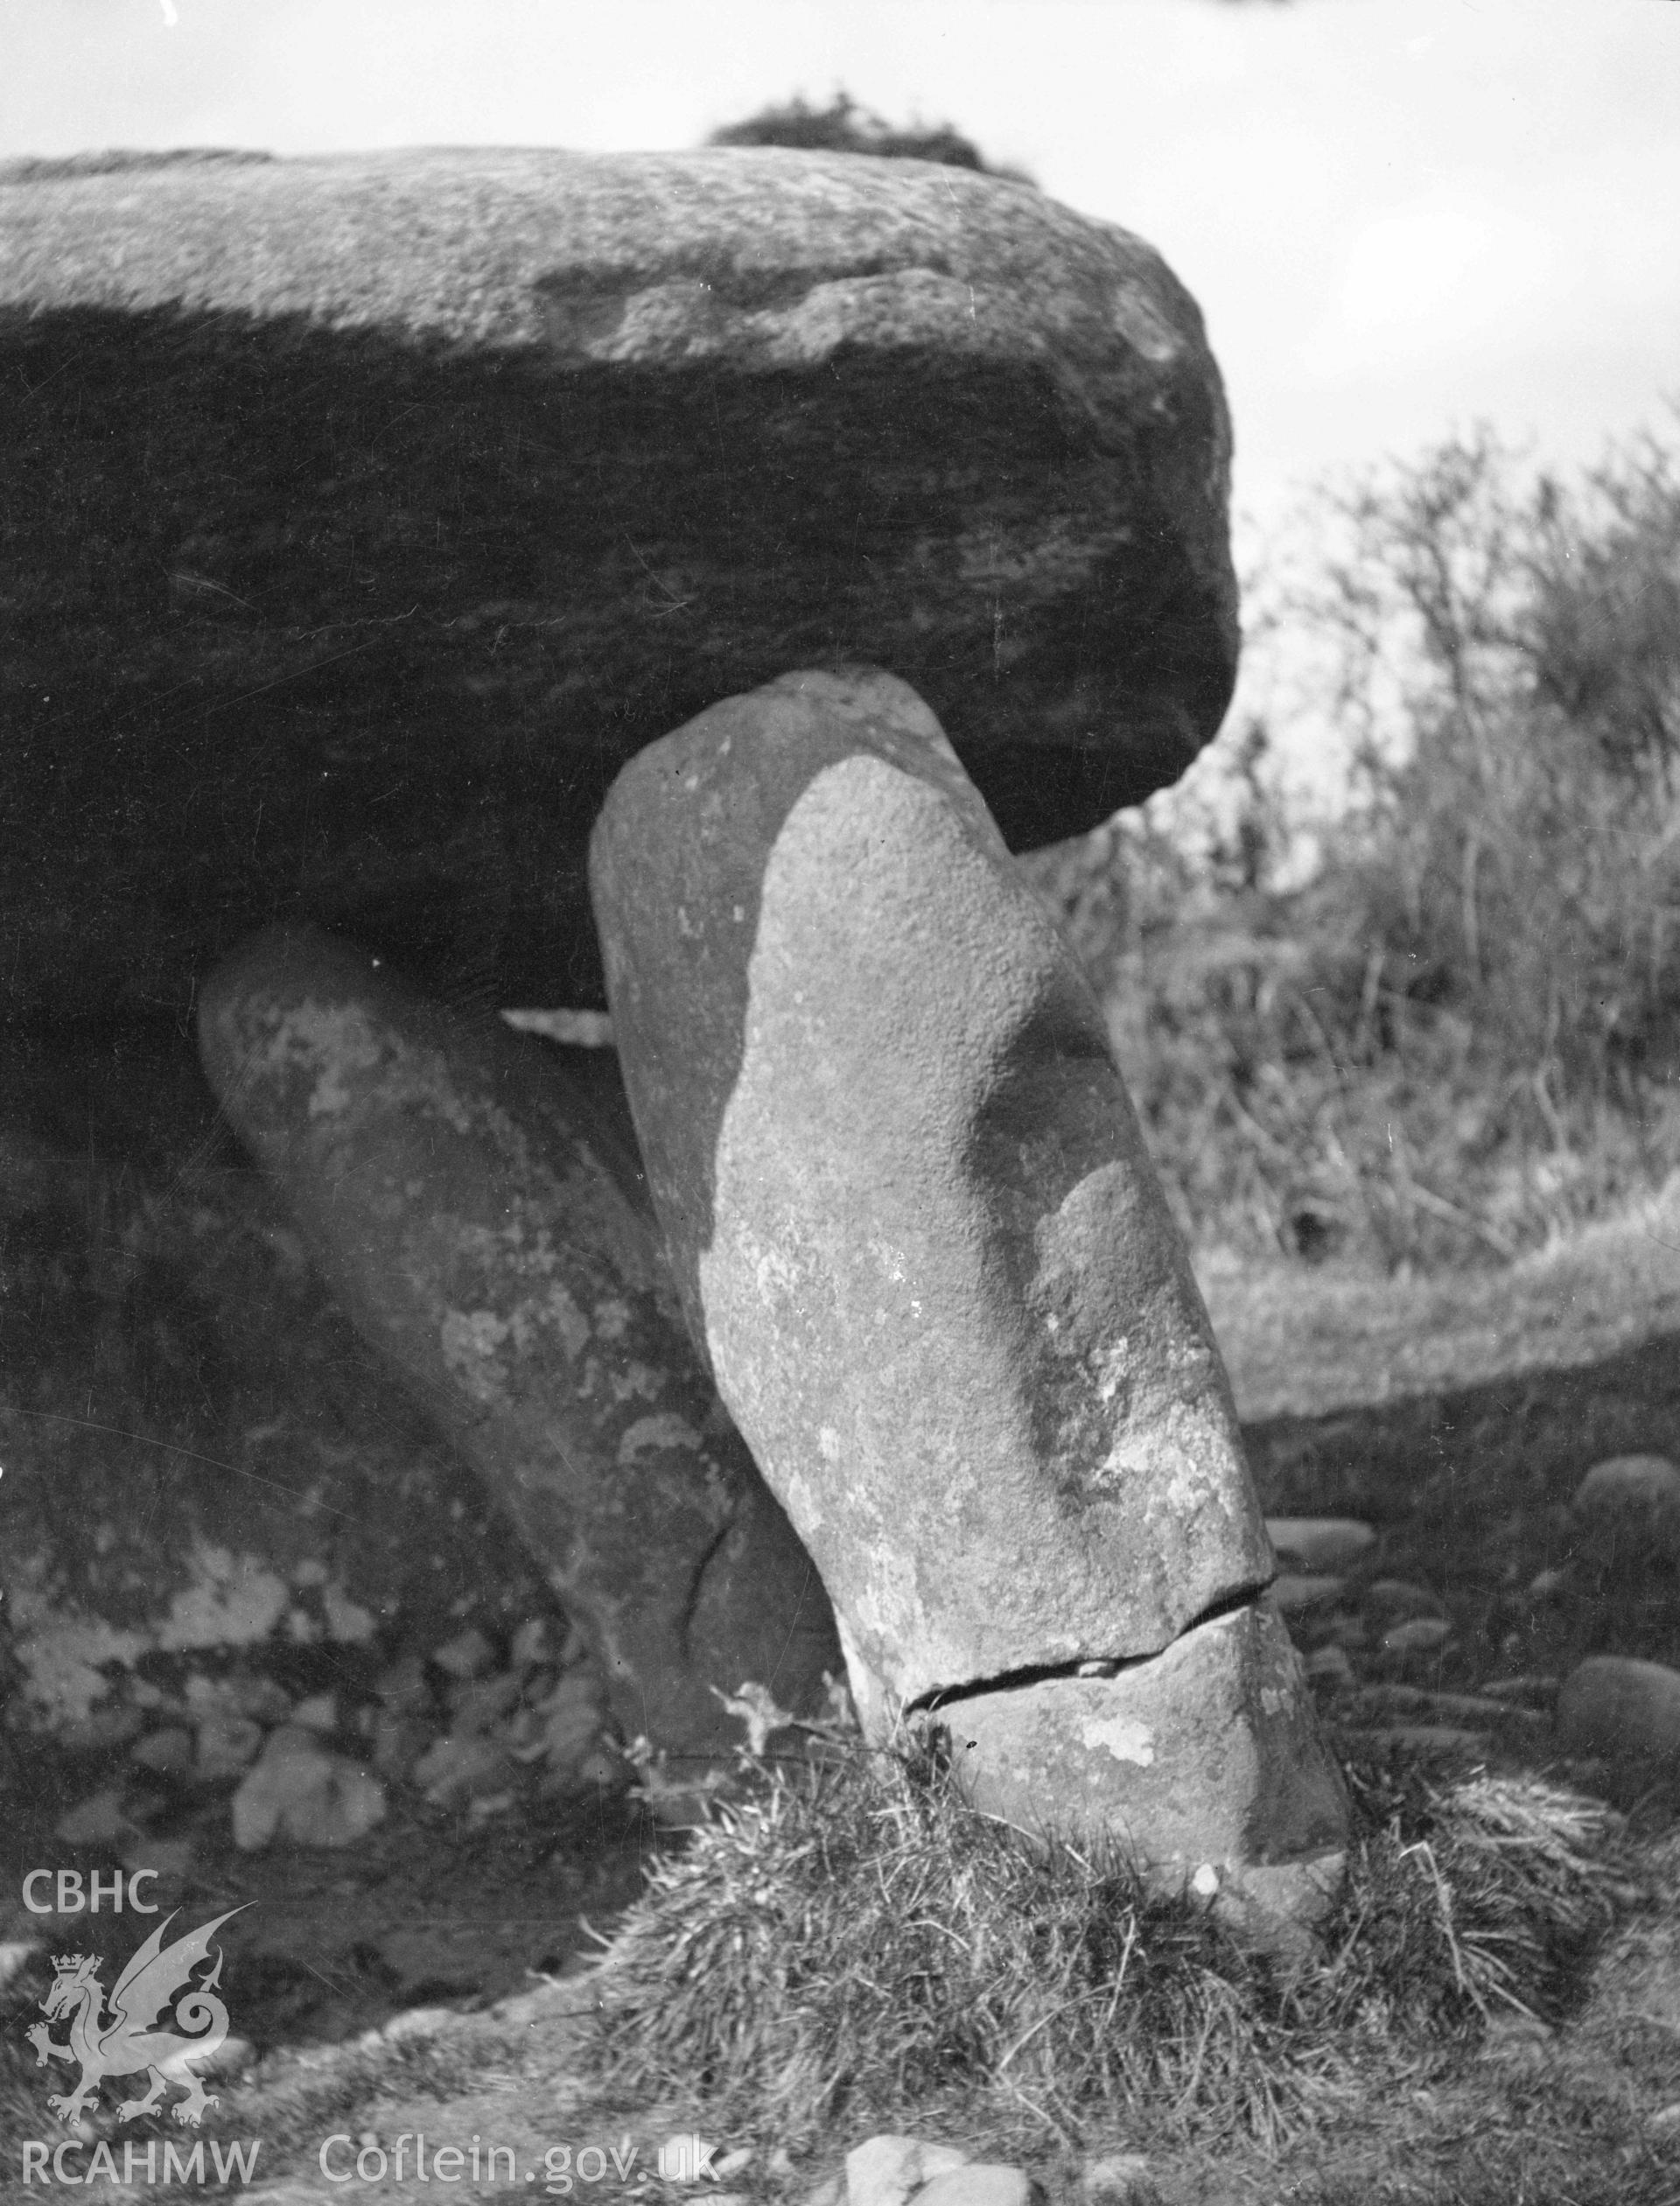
pixel 203 1464
pixel 480 1219
pixel 1208 1758
pixel 1629 1509
pixel 909 1209
pixel 363 514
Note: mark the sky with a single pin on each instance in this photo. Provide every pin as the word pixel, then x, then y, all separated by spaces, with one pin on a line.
pixel 1401 217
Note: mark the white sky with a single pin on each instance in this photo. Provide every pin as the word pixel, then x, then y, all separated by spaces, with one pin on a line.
pixel 1400 216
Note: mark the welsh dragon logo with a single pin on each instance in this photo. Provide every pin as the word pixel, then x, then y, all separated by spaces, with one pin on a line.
pixel 125 2043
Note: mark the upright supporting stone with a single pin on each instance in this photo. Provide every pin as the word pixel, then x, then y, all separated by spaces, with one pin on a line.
pixel 482 1220
pixel 918 1237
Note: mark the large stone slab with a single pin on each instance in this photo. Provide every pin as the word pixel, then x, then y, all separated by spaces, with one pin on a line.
pixel 909 1209
pixel 363 516
pixel 480 1216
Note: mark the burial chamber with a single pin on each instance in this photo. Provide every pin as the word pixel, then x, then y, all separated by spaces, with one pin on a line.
pixel 375 525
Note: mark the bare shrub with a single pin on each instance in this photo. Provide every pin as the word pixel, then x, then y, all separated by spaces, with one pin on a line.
pixel 1458 1034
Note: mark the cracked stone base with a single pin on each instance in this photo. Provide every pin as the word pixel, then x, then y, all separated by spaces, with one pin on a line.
pixel 1205 1762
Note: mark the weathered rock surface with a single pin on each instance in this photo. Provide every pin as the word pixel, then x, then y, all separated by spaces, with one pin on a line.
pixel 887 2170
pixel 1629 1509
pixel 1611 1704
pixel 917 1234
pixel 909 1211
pixel 300 1791
pixel 480 1220
pixel 207 1475
pixel 981 2184
pixel 1294 1593
pixel 1316 1545
pixel 1417 1636
pixel 1208 1758
pixel 364 514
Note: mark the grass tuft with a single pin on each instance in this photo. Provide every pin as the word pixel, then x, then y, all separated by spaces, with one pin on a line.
pixel 849 1938
pixel 1465 1901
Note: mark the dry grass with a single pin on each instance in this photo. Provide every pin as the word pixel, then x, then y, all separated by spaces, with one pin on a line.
pixel 1482 1897
pixel 851 1940
pixel 1301 1341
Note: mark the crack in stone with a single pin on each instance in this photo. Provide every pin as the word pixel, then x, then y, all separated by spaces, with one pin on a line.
pixel 1102 1666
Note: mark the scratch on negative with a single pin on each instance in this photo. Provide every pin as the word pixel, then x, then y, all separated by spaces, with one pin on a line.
pixel 171 1447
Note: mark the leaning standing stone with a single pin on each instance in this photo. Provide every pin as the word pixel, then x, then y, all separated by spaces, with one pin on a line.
pixel 480 1218
pixel 918 1237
